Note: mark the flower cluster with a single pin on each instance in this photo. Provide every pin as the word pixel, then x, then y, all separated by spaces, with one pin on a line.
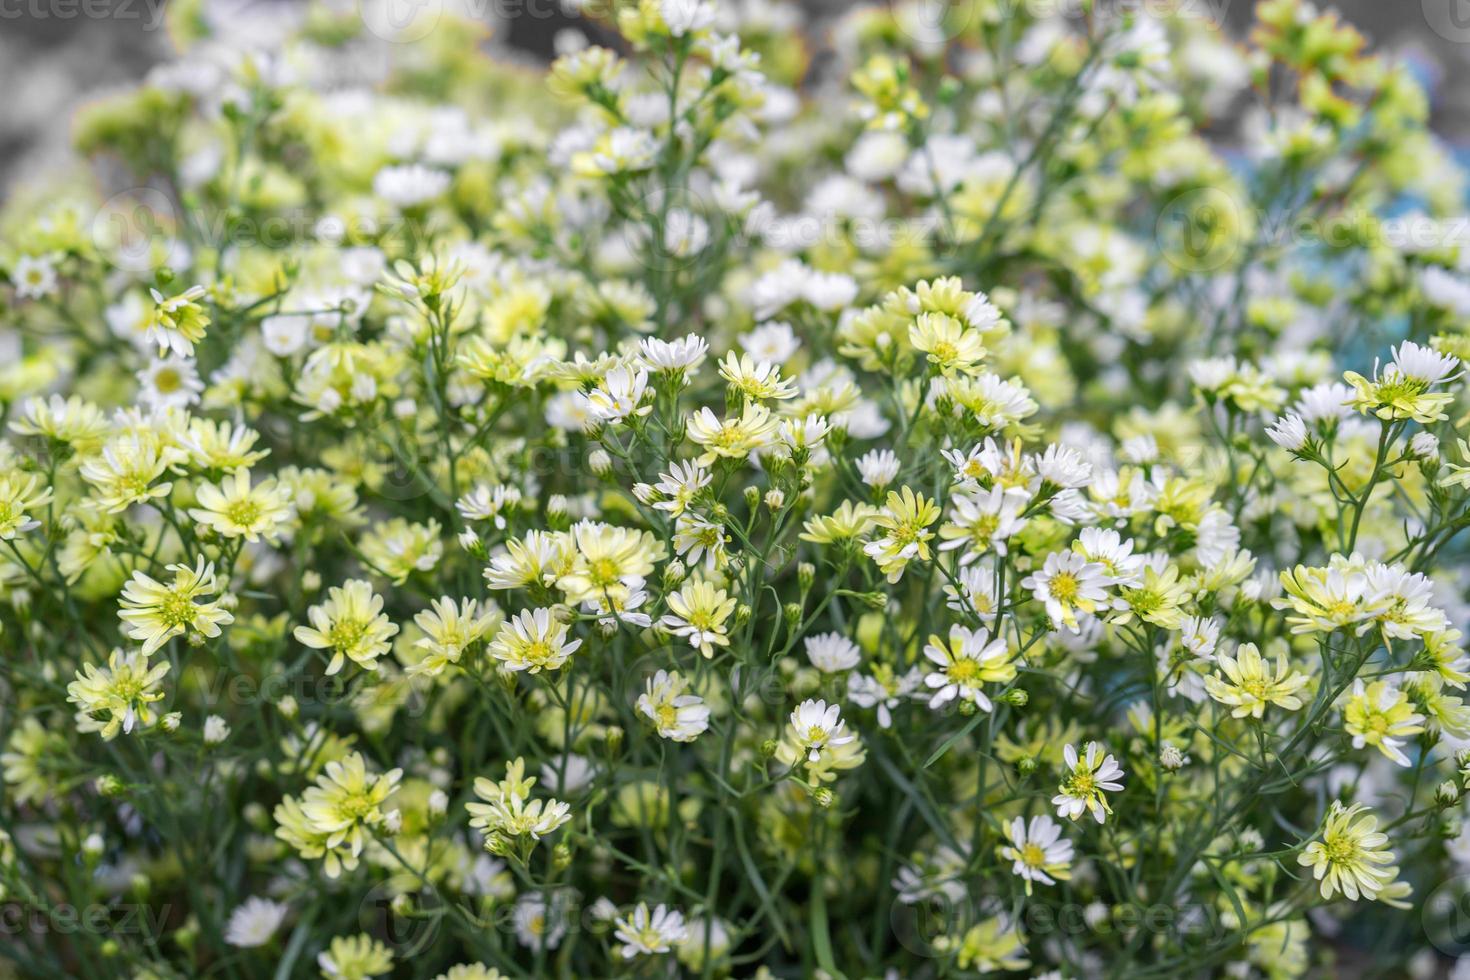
pixel 835 471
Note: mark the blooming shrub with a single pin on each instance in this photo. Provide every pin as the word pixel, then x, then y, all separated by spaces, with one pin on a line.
pixel 900 504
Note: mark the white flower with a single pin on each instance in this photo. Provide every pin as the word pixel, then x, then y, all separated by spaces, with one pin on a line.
pixel 966 662
pixel 774 342
pixel 818 726
pixel 647 933
pixel 678 355
pixel 832 652
pixel 1289 432
pixel 1423 364
pixel 619 394
pixel 808 433
pixel 216 730
pixel 34 276
pixel 1324 403
pixel 254 922
pixel 829 290
pixel 1036 852
pixel 1067 584
pixel 169 382
pixel 1200 636
pixel 1063 466
pixel 536 925
pixel 878 468
pixel 1084 782
pixel 409 186
pixel 686 16
pixel 675 715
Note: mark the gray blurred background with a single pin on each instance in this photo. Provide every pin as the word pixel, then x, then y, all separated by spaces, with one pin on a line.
pixel 57 54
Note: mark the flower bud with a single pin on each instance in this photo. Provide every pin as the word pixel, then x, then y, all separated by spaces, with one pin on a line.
pixel 110 786
pixel 1015 697
pixel 287 706
pixel 599 462
pixel 806 575
pixel 1447 793
pixel 752 497
pixel 612 740
pixel 824 797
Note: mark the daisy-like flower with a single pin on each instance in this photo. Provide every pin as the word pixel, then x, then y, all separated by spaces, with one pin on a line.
pixel 34 276
pixel 696 540
pixel 177 323
pixel 1402 390
pixel 1250 685
pixel 122 692
pixel 126 471
pixel 254 921
pixel 832 653
pixel 965 663
pixel 169 382
pixel 234 509
pixel 355 958
pixel 733 438
pixel 1289 432
pixel 804 434
pixel 676 489
pixel 1109 549
pixel 904 521
pixel 878 468
pixel 949 344
pixel 756 380
pixel 1085 781
pixel 214 445
pixel 1322 600
pixel 350 624
pixel 487 503
pixel 1154 600
pixel 19 496
pixel 73 421
pixel 409 186
pixel 1036 851
pixel 698 612
pixel 397 548
pixel 1062 467
pixel 774 342
pixel 1381 715
pixel 645 933
pixel 1068 584
pixel 676 716
pixel 155 612
pixel 533 640
pixel 533 560
pixel 1350 854
pixel 816 727
pixel 608 560
pixel 620 394
pixel 449 629
pixel 983 521
pixel 337 814
pixel 674 356
pixel 509 811
pixel 884 690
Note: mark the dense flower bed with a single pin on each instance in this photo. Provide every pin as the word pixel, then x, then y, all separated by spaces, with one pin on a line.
pixel 896 502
